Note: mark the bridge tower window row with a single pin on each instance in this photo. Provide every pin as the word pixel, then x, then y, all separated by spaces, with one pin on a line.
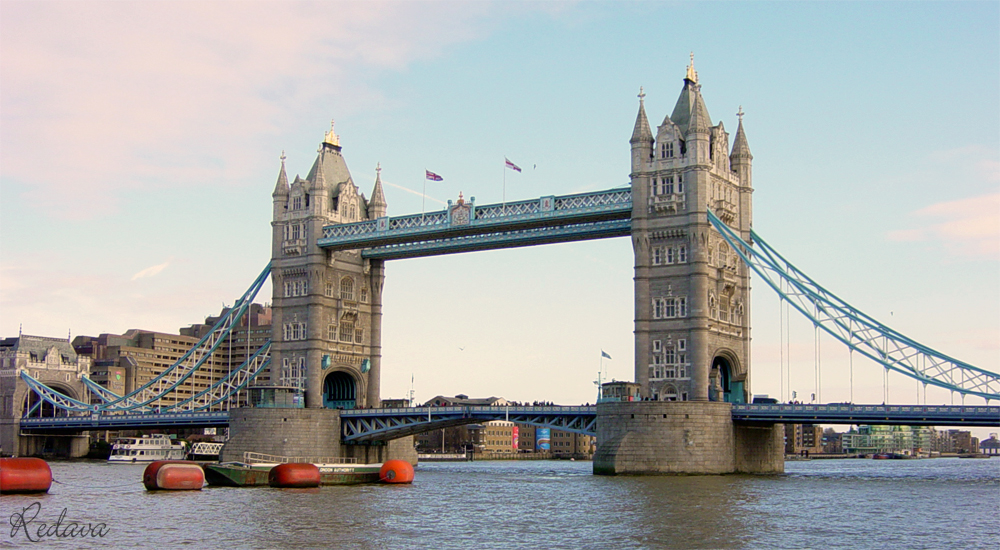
pixel 294 331
pixel 666 255
pixel 670 307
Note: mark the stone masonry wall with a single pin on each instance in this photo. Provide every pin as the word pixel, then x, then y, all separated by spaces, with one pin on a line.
pixel 657 437
pixel 760 449
pixel 285 432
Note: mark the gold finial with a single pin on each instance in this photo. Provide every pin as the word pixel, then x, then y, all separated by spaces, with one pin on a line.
pixel 378 168
pixel 642 94
pixel 740 114
pixel 330 137
pixel 692 75
pixel 282 157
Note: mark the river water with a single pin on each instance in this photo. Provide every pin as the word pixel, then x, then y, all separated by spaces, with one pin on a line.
pixel 938 503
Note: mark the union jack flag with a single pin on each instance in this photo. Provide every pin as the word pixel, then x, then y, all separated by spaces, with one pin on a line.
pixel 433 177
pixel 511 165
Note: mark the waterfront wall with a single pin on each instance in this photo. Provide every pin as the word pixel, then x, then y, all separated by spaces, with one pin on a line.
pixel 682 437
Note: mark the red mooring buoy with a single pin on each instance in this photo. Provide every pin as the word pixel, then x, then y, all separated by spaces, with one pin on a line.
pixel 173 475
pixel 24 475
pixel 396 471
pixel 294 474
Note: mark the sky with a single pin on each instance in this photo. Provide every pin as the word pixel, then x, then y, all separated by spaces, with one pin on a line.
pixel 140 143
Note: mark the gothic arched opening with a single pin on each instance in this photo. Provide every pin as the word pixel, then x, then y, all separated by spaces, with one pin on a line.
pixel 724 388
pixel 339 391
pixel 36 407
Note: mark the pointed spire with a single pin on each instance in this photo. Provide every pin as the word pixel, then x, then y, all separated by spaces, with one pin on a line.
pixel 319 179
pixel 641 133
pixel 331 137
pixel 377 205
pixel 281 188
pixel 741 149
pixel 699 122
pixel 692 74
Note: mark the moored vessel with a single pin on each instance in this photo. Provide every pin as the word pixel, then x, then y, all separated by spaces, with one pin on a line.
pixel 253 470
pixel 148 448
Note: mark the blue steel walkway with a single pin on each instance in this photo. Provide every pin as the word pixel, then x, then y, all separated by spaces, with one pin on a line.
pixel 368 425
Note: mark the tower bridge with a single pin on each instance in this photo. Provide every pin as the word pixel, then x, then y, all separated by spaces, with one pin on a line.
pixel 688 212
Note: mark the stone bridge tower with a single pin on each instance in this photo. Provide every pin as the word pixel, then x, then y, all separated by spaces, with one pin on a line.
pixel 692 293
pixel 692 305
pixel 53 362
pixel 327 306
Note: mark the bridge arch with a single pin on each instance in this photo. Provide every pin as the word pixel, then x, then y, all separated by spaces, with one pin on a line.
pixel 340 390
pixel 727 378
pixel 41 408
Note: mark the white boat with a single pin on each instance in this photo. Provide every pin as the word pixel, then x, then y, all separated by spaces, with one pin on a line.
pixel 146 449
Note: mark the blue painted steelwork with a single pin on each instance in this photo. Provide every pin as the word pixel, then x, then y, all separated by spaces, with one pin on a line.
pixel 111 421
pixel 860 332
pixel 368 425
pixel 192 360
pixel 900 415
pixel 505 239
pixel 522 223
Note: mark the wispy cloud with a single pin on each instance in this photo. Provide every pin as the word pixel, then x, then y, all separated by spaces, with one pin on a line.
pixel 151 271
pixel 102 98
pixel 966 227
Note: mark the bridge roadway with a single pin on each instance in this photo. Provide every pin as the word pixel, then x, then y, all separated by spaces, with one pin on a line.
pixel 371 425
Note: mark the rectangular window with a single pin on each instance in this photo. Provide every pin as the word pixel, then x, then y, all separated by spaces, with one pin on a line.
pixel 670 372
pixel 347 288
pixel 364 294
pixel 668 150
pixel 682 254
pixel 295 231
pixel 657 256
pixel 668 185
pixel 670 255
pixel 682 307
pixel 286 229
pixel 656 346
pixel 670 357
pixel 329 289
pixel 346 331
pixel 682 344
pixel 359 335
pixel 658 308
pixel 670 310
pixel 680 184
pixel 331 332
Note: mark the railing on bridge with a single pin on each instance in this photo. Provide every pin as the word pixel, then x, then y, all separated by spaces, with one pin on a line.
pixel 909 415
pixel 367 425
pixel 467 227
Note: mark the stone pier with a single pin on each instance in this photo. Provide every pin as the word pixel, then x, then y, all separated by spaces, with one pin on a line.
pixel 683 437
pixel 303 432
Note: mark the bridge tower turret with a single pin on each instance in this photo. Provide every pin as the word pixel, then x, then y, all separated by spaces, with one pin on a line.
pixel 326 305
pixel 692 328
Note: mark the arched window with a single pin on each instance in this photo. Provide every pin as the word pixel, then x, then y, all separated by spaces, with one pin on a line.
pixel 347 288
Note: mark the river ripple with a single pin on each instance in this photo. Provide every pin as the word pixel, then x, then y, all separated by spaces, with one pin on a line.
pixel 940 503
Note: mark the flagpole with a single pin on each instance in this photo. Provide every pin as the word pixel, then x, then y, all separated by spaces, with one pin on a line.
pixel 504 186
pixel 423 199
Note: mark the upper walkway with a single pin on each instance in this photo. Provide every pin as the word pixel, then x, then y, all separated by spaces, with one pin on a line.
pixel 466 227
